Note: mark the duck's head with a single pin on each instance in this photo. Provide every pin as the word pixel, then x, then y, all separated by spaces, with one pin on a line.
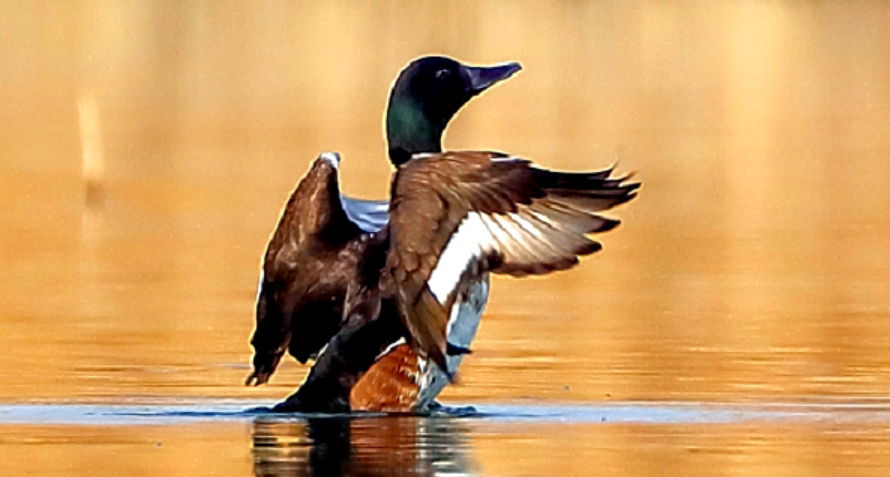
pixel 426 95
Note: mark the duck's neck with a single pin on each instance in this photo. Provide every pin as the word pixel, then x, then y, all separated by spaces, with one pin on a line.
pixel 409 129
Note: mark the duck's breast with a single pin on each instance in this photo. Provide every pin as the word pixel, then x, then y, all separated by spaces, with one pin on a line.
pixel 401 381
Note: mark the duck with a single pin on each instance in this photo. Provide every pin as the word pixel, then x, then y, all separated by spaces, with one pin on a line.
pixel 397 289
pixel 325 240
pixel 414 304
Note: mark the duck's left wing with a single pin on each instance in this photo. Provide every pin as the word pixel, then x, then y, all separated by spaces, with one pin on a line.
pixel 457 215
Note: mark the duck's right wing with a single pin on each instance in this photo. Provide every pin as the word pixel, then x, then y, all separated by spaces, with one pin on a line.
pixel 457 215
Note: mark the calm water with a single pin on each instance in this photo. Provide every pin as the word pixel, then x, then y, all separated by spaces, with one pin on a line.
pixel 738 323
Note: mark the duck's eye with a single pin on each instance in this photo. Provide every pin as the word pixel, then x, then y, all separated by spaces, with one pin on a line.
pixel 442 74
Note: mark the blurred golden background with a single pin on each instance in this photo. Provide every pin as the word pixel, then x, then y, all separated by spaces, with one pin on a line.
pixel 754 266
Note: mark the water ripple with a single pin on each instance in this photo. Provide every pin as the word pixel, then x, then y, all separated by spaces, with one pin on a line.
pixel 624 412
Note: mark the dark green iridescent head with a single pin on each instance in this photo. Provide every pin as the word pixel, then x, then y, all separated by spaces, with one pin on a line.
pixel 426 95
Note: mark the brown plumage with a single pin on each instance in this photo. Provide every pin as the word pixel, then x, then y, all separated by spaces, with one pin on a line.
pixel 512 218
pixel 454 217
pixel 314 254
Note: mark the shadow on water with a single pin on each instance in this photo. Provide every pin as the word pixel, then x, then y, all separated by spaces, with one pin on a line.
pixel 348 446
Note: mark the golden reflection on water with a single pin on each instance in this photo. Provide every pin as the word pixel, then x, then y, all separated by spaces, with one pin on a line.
pixel 755 265
pixel 407 446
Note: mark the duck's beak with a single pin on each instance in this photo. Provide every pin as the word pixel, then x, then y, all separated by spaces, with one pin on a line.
pixel 483 77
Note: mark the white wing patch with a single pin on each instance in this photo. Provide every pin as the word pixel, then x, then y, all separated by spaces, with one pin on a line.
pixel 534 239
pixel 471 241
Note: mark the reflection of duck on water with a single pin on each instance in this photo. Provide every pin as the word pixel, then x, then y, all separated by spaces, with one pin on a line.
pixel 343 446
pixel 348 287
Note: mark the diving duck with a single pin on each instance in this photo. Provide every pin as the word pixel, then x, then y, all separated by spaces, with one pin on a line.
pixel 400 299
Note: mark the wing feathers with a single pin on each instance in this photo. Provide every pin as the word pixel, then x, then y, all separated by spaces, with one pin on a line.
pixel 569 219
pixel 458 215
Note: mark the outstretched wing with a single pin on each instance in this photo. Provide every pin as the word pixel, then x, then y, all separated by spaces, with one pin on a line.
pixel 457 215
